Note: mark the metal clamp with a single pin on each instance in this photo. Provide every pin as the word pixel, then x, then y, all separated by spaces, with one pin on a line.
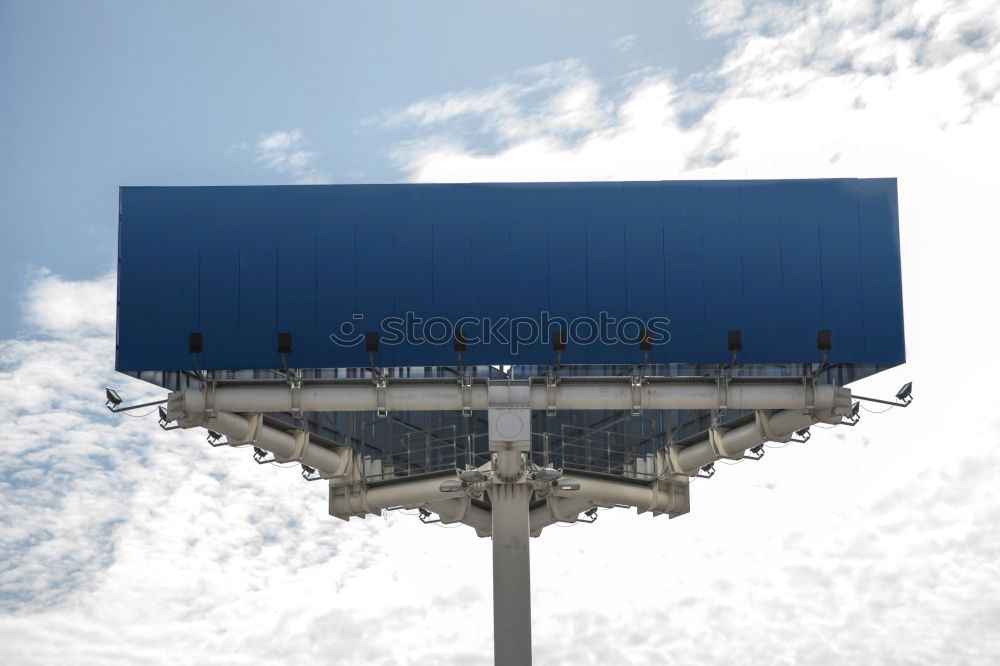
pixel 209 393
pixel 763 420
pixel 465 385
pixel 255 424
pixel 551 397
pixel 809 391
pixel 716 439
pixel 295 389
pixel 722 394
pixel 636 391
pixel 301 444
pixel 381 384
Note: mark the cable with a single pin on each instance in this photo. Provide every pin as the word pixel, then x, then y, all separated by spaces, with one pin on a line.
pixel 872 411
pixel 139 416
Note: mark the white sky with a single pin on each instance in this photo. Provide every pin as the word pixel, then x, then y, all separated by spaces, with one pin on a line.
pixel 876 544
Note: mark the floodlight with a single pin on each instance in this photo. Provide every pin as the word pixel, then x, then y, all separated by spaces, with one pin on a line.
pixel 472 476
pixel 801 435
pixel 646 340
pixel 260 455
pixel 566 483
pixel 309 473
pixel 559 341
pixel 824 339
pixel 904 392
pixel 196 344
pixel 451 486
pixel 213 437
pixel 425 516
pixel 371 341
pixel 546 474
pixel 855 416
pixel 707 471
pixel 755 453
pixel 165 419
pixel 284 343
pixel 113 398
pixel 735 340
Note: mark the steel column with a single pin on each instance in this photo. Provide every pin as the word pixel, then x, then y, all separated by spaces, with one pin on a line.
pixel 511 574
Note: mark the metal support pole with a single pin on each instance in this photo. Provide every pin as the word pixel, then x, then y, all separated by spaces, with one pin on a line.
pixel 511 574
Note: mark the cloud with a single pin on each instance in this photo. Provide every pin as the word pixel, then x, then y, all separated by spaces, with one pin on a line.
pixel 625 43
pixel 284 152
pixel 120 543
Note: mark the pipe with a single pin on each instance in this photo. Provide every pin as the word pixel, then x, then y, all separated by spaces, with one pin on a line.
pixel 777 426
pixel 557 510
pixel 240 429
pixel 461 510
pixel 433 396
pixel 605 492
pixel 406 493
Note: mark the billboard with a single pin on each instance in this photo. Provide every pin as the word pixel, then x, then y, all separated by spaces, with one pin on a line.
pixel 251 271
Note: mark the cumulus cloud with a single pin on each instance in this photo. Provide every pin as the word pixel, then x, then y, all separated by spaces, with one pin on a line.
pixel 284 153
pixel 878 544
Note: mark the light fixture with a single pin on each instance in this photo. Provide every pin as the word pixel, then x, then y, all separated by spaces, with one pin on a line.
pixel 755 453
pixel 213 438
pixel 546 474
pixel 284 343
pixel 472 476
pixel 854 417
pixel 734 339
pixel 566 483
pixel 309 473
pixel 824 339
pixel 165 419
pixel 903 393
pixel 425 516
pixel 801 435
pixel 451 486
pixel 260 455
pixel 559 341
pixel 646 340
pixel 113 398
pixel 707 471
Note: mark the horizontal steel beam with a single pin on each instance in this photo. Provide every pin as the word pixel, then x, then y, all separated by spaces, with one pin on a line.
pixel 708 394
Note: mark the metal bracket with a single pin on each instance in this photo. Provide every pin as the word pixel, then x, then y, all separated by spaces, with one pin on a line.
pixel 465 385
pixel 380 389
pixel 809 391
pixel 551 388
pixel 636 390
pixel 209 393
pixel 295 389
pixel 722 394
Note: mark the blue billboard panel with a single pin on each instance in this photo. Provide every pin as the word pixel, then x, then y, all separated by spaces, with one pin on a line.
pixel 509 267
